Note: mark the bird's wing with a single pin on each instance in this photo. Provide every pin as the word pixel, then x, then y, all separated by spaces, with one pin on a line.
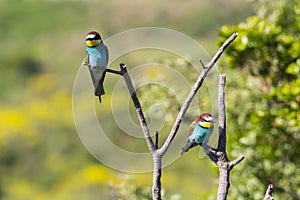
pixel 106 55
pixel 90 70
pixel 86 60
pixel 101 56
pixel 93 77
pixel 189 144
pixel 191 128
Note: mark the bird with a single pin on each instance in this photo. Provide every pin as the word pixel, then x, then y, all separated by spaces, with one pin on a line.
pixel 199 131
pixel 97 60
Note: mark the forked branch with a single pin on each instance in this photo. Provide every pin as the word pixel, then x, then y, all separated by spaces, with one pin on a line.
pixel 193 92
pixel 158 153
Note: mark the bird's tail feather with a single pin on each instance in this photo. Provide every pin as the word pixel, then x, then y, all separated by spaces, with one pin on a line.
pixel 100 89
pixel 189 144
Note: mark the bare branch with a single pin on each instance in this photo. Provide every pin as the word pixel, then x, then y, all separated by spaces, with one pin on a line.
pixel 223 162
pixel 193 92
pixel 222 114
pixel 156 181
pixel 138 107
pixel 114 71
pixel 212 153
pixel 222 48
pixel 235 162
pixel 224 182
pixel 156 139
pixel 268 195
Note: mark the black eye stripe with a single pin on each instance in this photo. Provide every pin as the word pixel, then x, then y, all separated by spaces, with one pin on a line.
pixel 93 37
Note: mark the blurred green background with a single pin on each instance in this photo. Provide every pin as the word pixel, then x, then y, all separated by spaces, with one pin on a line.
pixel 43 46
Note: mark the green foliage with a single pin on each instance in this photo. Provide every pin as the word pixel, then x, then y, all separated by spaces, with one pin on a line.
pixel 268 121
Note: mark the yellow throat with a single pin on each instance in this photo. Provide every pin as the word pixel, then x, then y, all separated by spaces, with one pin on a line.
pixel 92 43
pixel 205 124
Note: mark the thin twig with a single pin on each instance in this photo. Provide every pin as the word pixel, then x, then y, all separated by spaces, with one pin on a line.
pixel 114 71
pixel 235 162
pixel 202 64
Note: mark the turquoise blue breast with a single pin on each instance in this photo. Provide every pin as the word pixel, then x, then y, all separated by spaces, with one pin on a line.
pixel 98 56
pixel 198 134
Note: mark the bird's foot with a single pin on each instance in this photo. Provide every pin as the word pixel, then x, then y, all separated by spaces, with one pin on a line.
pixel 85 63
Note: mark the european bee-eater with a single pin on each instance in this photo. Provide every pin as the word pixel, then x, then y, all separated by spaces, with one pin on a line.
pixel 97 60
pixel 199 131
